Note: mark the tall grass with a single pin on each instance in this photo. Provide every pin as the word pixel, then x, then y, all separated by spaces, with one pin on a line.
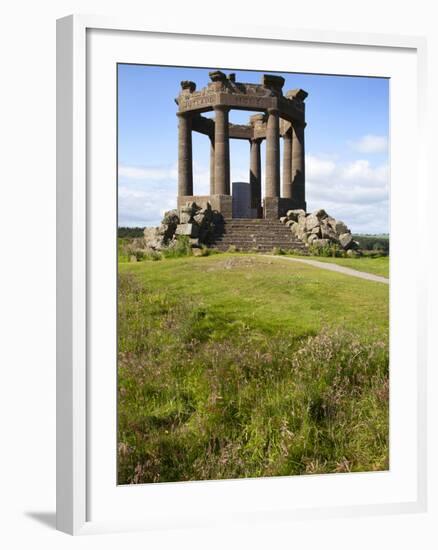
pixel 194 404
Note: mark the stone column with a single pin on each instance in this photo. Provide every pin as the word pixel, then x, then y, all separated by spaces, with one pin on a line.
pixel 185 167
pixel 255 174
pixel 298 164
pixel 221 151
pixel 287 164
pixel 212 164
pixel 272 154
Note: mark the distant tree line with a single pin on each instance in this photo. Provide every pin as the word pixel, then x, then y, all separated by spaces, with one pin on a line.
pixel 132 232
pixel 373 242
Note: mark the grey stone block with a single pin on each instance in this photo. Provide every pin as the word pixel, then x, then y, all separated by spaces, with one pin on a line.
pixel 189 229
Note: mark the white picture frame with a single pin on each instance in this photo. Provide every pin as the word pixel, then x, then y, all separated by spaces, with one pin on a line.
pixel 77 226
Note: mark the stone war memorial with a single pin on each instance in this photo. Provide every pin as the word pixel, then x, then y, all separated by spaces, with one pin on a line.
pixel 252 331
pixel 242 214
pixel 281 117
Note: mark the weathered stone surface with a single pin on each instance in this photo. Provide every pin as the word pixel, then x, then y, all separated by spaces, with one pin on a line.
pixel 170 217
pixel 283 219
pixel 189 229
pixel 321 214
pixel 341 228
pixel 311 222
pixel 152 240
pixel 162 229
pixel 328 233
pixel 330 221
pixel 290 222
pixel 295 214
pixel 345 240
pixel 199 217
pixel 312 237
pixel 303 237
pixel 302 222
pixel 185 217
pixel 301 234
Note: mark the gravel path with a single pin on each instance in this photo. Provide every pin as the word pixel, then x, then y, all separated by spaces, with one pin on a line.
pixel 337 268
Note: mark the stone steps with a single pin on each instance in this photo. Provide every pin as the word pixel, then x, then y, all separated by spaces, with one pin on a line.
pixel 255 234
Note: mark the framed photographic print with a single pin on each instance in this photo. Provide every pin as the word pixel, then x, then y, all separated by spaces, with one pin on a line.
pixel 240 335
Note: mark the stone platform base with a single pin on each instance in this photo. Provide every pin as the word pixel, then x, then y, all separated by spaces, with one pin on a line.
pixel 221 203
pixel 276 207
pixel 258 235
pixel 273 207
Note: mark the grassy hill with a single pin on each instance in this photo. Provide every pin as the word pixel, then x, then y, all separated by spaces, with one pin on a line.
pixel 238 365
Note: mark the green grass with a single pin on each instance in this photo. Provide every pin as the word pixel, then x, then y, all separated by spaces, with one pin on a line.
pixel 378 265
pixel 239 365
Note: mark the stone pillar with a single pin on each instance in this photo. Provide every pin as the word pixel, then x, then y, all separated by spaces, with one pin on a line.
pixel 272 154
pixel 185 167
pixel 212 187
pixel 298 164
pixel 287 164
pixel 221 151
pixel 255 174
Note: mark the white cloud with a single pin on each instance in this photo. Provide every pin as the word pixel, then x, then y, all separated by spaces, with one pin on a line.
pixel 362 171
pixel 355 192
pixel 318 167
pixel 370 143
pixel 157 173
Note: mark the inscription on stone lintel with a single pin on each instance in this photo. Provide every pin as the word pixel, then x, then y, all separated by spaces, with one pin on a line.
pixel 201 101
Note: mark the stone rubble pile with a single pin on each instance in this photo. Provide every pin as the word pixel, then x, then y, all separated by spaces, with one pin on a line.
pixel 319 229
pixel 190 220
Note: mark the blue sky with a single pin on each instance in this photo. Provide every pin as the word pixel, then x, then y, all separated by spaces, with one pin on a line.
pixel 346 144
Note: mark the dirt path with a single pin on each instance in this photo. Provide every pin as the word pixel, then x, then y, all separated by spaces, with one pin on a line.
pixel 337 268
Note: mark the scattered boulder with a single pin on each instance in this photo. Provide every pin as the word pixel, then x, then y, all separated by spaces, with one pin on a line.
pixel 190 220
pixel 328 233
pixel 153 239
pixel 321 214
pixel 345 240
pixel 295 214
pixel 189 229
pixel 311 222
pixel 340 227
pixel 185 217
pixel 319 229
